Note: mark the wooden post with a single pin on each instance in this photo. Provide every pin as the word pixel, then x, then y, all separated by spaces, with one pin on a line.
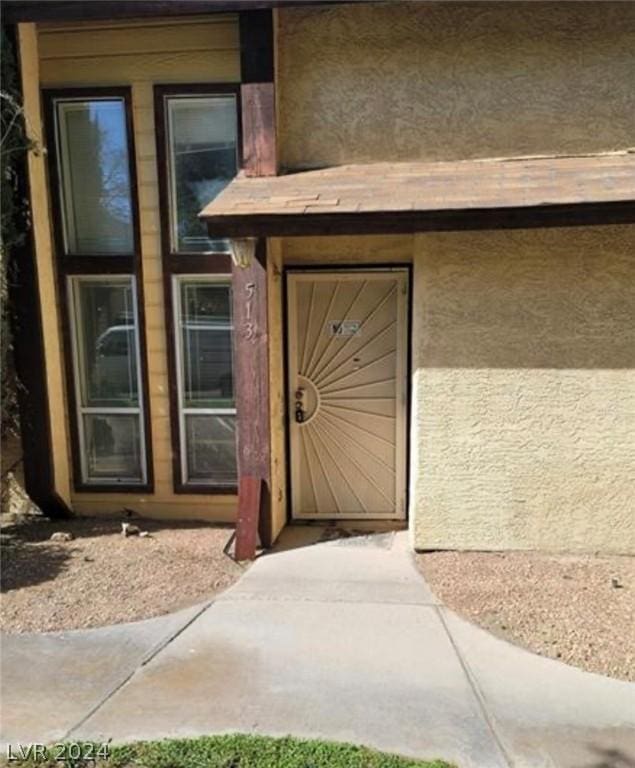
pixel 249 286
pixel 251 364
pixel 257 95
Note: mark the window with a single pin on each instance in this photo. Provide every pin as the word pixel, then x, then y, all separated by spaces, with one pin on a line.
pixel 105 341
pixel 96 236
pixel 207 413
pixel 202 159
pixel 94 172
pixel 198 151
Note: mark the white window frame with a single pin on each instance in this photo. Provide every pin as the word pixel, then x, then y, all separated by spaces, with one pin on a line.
pixel 171 170
pixel 73 284
pixel 67 211
pixel 177 281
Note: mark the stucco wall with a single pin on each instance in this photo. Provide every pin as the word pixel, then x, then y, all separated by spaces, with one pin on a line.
pixel 453 80
pixel 523 426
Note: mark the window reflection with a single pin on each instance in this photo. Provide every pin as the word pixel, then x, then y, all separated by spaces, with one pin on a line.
pixel 94 176
pixel 203 160
pixel 207 346
pixel 106 366
pixel 108 354
pixel 206 385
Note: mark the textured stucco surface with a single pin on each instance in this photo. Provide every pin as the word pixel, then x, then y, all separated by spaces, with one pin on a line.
pixel 432 81
pixel 345 250
pixel 523 411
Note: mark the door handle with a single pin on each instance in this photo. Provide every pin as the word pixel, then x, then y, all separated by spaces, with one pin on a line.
pixel 299 411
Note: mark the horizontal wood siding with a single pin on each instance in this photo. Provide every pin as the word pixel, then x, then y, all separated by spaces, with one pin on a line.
pixel 160 52
pixel 142 54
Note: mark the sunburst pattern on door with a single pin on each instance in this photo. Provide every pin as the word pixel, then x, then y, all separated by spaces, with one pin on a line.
pixel 346 379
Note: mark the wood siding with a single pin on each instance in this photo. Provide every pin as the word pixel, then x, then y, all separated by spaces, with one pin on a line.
pixel 141 54
pixel 169 51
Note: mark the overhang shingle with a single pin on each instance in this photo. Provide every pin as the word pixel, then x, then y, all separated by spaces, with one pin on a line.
pixel 420 188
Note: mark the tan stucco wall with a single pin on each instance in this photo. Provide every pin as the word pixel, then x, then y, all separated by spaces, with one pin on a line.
pixel 344 250
pixel 453 80
pixel 523 412
pixel 138 54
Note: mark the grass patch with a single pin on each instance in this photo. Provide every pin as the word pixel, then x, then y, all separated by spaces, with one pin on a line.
pixel 234 751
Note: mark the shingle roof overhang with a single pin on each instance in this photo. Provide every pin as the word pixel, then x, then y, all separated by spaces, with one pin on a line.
pixel 382 198
pixel 14 11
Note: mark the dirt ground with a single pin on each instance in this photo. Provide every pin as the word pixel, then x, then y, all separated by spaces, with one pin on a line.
pixel 102 578
pixel 580 610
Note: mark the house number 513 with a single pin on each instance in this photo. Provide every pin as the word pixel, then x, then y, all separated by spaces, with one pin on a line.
pixel 249 327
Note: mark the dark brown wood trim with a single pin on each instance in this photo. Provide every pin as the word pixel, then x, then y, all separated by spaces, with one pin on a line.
pixel 256 46
pixel 387 222
pixel 250 502
pixel 258 93
pixel 259 129
pixel 183 264
pixel 204 264
pixel 205 490
pixel 251 362
pixel 66 266
pixel 100 265
pixel 72 10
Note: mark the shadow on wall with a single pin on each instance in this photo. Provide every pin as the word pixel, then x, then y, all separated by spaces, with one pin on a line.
pixel 559 299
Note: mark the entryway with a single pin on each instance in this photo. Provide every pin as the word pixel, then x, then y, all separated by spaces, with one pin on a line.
pixel 347 393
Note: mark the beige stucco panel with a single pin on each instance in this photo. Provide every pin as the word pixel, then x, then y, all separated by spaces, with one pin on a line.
pixel 433 81
pixel 347 250
pixel 523 411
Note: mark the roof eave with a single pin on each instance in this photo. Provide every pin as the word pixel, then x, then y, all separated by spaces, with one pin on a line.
pixel 15 11
pixel 393 222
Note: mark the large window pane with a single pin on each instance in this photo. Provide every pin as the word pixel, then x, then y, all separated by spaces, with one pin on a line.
pixel 207 345
pixel 95 176
pixel 112 446
pixel 106 373
pixel 206 386
pixel 202 146
pixel 211 449
pixel 107 337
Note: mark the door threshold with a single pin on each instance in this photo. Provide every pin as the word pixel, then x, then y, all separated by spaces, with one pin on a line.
pixel 361 525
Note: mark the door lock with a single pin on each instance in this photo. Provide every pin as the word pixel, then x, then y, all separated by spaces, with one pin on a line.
pixel 299 410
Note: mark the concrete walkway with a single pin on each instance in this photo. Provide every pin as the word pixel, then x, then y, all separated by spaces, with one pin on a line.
pixel 341 640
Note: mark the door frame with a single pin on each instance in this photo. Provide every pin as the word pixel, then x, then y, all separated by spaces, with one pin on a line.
pixel 406 268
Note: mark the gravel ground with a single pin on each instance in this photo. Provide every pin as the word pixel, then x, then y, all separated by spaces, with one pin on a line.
pixel 102 578
pixel 564 607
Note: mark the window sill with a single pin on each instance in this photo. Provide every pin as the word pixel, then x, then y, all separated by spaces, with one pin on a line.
pixel 205 490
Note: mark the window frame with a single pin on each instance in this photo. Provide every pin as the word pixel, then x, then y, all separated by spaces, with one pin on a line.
pixel 104 266
pixel 183 412
pixel 188 260
pixel 73 288
pixel 193 265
